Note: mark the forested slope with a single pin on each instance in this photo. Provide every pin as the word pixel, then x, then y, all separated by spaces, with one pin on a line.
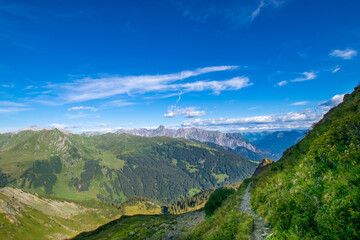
pixel 112 168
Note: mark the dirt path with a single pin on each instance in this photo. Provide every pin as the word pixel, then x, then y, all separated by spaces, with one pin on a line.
pixel 260 230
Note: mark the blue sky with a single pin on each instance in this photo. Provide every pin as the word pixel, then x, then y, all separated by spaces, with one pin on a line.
pixel 227 65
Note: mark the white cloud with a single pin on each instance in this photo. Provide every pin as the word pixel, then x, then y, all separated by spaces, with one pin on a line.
pixel 64 126
pixel 82 108
pixel 290 120
pixel 282 83
pixel 108 86
pixel 306 76
pixel 216 86
pixel 345 54
pixel 188 112
pixel 334 101
pixel 300 103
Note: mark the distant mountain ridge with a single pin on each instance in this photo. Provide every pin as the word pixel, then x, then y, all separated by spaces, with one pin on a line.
pixel 230 141
pixel 275 142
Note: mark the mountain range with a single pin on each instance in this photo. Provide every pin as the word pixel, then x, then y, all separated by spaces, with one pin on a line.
pixel 230 141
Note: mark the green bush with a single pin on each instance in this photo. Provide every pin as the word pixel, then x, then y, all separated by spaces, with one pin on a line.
pixel 216 200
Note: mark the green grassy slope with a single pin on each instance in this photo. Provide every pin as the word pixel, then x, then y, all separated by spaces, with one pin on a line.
pixel 27 216
pixel 112 168
pixel 313 191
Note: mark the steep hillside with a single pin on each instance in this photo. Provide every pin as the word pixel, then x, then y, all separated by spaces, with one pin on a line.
pixel 233 141
pixel 112 167
pixel 28 216
pixel 8 140
pixel 312 192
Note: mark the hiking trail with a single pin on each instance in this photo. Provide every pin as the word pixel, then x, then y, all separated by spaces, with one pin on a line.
pixel 261 231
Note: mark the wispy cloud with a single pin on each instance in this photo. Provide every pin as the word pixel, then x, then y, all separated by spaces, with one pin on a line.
pixel 64 126
pixel 82 108
pixel 216 86
pixel 120 103
pixel 300 103
pixel 345 54
pixel 255 13
pixel 7 85
pixel 237 13
pixel 11 104
pixel 306 76
pixel 30 87
pixel 282 83
pixel 105 87
pixel 188 112
pixel 13 110
pixel 336 69
pixel 12 107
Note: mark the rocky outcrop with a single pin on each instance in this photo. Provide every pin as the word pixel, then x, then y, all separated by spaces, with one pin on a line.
pixel 265 164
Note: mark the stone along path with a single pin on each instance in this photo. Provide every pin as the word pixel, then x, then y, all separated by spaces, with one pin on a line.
pixel 260 230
